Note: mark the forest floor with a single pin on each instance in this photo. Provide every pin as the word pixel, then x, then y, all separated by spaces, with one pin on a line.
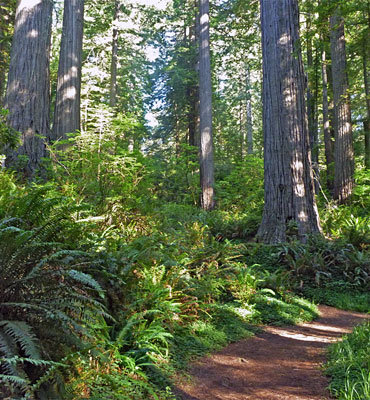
pixel 281 363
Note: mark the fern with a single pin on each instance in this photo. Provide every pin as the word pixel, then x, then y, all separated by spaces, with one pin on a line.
pixel 14 380
pixel 36 362
pixel 85 279
pixel 41 286
pixel 22 334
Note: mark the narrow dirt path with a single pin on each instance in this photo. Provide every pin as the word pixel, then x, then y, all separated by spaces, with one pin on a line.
pixel 281 363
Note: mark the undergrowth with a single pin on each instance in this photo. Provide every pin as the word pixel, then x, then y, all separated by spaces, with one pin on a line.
pixel 134 289
pixel 349 365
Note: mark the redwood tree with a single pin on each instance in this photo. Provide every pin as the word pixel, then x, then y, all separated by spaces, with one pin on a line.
pixel 113 65
pixel 67 104
pixel 328 137
pixel 343 149
pixel 289 188
pixel 205 110
pixel 28 92
pixel 367 94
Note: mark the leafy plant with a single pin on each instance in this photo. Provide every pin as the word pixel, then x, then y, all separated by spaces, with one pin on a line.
pixel 9 137
pixel 324 263
pixel 41 285
pixel 349 365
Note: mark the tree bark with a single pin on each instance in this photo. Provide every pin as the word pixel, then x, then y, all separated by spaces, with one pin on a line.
pixel 28 88
pixel 2 66
pixel 343 149
pixel 113 66
pixel 205 98
pixel 193 88
pixel 289 188
pixel 311 109
pixel 249 121
pixel 67 117
pixel 367 94
pixel 329 144
pixel 311 98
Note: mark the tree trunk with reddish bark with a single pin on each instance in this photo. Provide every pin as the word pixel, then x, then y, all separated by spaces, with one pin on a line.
pixel 343 149
pixel 289 189
pixel 67 105
pixel 28 88
pixel 205 107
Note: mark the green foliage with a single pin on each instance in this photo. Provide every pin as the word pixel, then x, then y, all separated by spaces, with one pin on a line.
pixel 241 187
pixel 340 297
pixel 121 368
pixel 9 191
pixel 350 223
pixel 41 285
pixel 177 282
pixel 342 222
pixel 9 137
pixel 323 263
pixel 177 176
pixel 221 324
pixel 349 365
pixel 98 168
pixel 361 192
pixel 286 309
pixel 117 220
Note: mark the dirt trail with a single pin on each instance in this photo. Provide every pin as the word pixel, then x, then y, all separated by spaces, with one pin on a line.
pixel 281 363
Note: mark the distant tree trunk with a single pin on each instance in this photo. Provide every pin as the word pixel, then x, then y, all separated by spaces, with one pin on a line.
pixel 67 105
pixel 193 116
pixel 310 97
pixel 329 144
pixel 177 132
pixel 343 149
pixel 242 133
pixel 2 66
pixel 289 188
pixel 205 97
pixel 113 65
pixel 249 121
pixel 193 88
pixel 27 95
pixel 367 120
pixel 311 109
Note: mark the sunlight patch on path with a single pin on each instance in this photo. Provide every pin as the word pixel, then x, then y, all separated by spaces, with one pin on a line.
pixel 299 336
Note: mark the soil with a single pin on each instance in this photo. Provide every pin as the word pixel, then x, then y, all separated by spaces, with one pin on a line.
pixel 281 363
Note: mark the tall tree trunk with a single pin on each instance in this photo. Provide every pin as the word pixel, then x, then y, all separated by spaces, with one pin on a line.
pixel 329 144
pixel 28 88
pixel 242 124
pixel 193 88
pixel 311 106
pixel 67 105
pixel 312 85
pixel 7 11
pixel 205 98
pixel 193 116
pixel 249 121
pixel 2 65
pixel 343 149
pixel 113 65
pixel 289 187
pixel 367 94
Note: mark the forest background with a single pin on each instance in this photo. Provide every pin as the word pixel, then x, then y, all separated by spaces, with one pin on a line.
pixel 129 241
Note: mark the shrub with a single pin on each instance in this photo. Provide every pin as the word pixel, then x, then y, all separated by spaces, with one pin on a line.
pixel 45 299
